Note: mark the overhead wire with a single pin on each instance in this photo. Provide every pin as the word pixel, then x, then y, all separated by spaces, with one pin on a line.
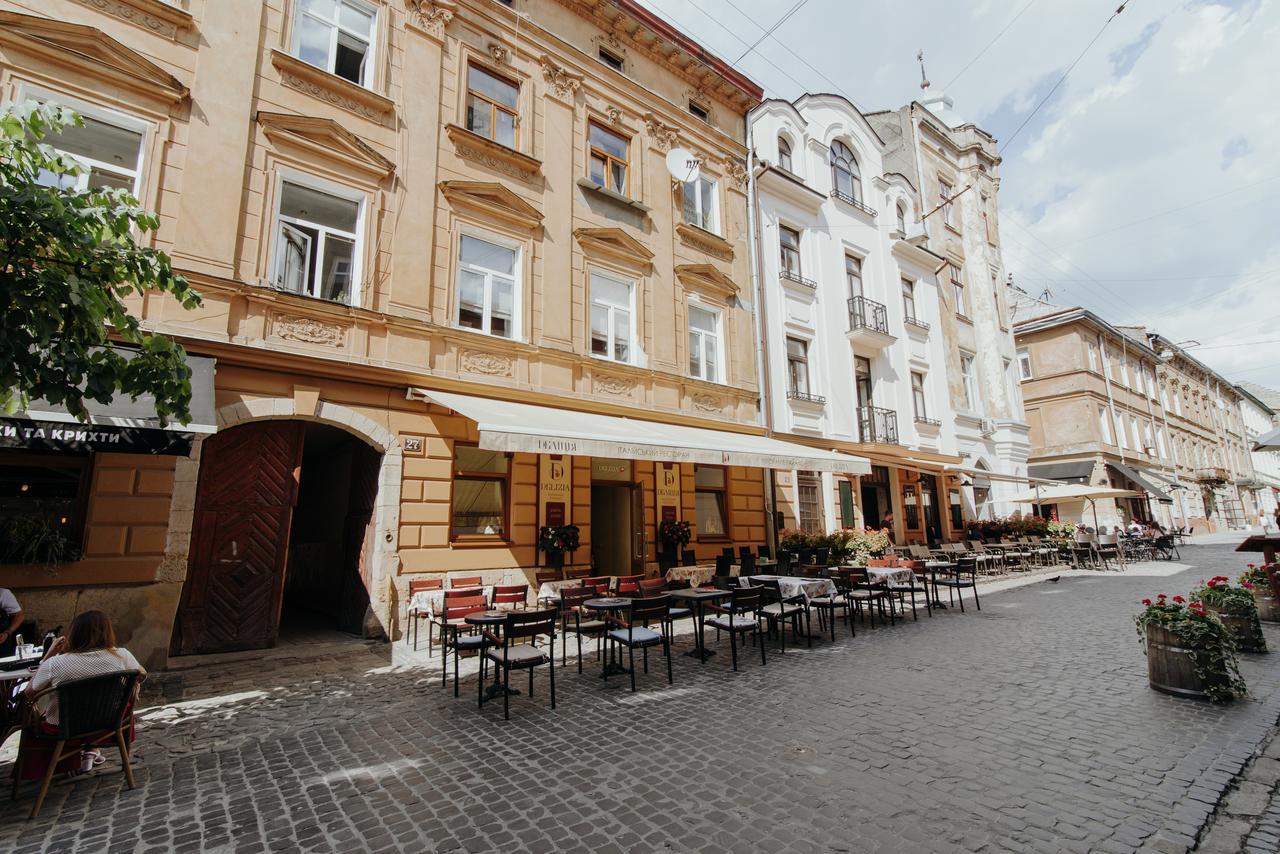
pixel 796 8
pixel 982 52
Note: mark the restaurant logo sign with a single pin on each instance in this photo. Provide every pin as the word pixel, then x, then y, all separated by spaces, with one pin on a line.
pixel 23 434
pixel 555 489
pixel 668 491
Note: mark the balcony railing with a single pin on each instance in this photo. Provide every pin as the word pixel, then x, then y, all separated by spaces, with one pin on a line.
pixel 879 426
pixel 850 200
pixel 927 422
pixel 1212 474
pixel 916 322
pixel 799 279
pixel 868 314
pixel 793 394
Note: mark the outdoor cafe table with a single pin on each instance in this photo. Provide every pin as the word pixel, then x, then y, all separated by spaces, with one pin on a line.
pixel 698 597
pixel 791 586
pixel 893 576
pixel 695 575
pixel 934 567
pixel 492 620
pixel 431 602
pixel 736 568
pixel 549 591
pixel 609 605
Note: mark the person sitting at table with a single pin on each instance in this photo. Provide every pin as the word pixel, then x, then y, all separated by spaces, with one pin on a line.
pixel 88 649
pixel 10 621
pixel 1135 528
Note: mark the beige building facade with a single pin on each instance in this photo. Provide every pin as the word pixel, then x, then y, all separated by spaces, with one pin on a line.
pixel 387 204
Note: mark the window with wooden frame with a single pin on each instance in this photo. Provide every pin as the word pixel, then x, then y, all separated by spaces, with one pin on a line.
pixel 492 106
pixel 711 502
pixel 789 246
pixel 784 154
pixel 611 59
pixel 797 366
pixel 610 159
pixel 812 519
pixel 853 274
pixel 481 493
pixel 42 506
pixel 919 403
pixel 909 300
pixel 957 287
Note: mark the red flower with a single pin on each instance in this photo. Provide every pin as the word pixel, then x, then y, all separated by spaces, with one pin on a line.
pixel 1179 599
pixel 1161 596
pixel 1146 601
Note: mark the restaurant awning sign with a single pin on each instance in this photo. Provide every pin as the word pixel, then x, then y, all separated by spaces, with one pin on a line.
pixel 66 437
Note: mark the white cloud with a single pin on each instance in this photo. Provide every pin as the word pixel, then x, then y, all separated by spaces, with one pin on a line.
pixel 1149 121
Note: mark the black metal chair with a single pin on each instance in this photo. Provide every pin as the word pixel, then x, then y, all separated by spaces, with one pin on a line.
pixel 91 712
pixel 748 565
pixel 572 621
pixel 727 552
pixel 821 556
pixel 1165 547
pixel 779 610
pixel 828 606
pixel 919 584
pixel 633 632
pixel 740 615
pixel 724 565
pixel 744 552
pixel 868 594
pixel 764 552
pixel 955 582
pixel 688 558
pixel 510 652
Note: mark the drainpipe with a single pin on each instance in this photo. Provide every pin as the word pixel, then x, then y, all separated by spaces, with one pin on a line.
pixel 760 325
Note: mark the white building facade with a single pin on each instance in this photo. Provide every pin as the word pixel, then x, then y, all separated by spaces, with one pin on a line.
pixel 1258 418
pixel 854 351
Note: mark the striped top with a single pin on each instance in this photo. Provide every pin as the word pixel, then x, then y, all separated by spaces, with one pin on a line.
pixel 78 665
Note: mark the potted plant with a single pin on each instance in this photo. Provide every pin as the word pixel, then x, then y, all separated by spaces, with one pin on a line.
pixel 1254 579
pixel 1189 651
pixel 1236 608
pixel 792 540
pixel 674 534
pixel 866 544
pixel 36 538
pixel 555 540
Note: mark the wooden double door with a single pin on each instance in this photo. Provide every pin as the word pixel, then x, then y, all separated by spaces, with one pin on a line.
pixel 245 501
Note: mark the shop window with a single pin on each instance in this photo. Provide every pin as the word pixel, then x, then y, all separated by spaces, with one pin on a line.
pixel 711 502
pixel 610 159
pixel 611 318
pixel 491 106
pixel 481 486
pixel 487 286
pixel 336 35
pixel 701 205
pixel 42 504
pixel 809 500
pixel 317 243
pixel 109 151
pixel 704 344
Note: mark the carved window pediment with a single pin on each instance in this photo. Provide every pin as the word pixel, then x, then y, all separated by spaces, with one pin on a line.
pixel 91 51
pixel 706 278
pixel 614 243
pixel 325 138
pixel 157 16
pixel 492 199
pixel 473 146
pixel 330 88
pixel 705 241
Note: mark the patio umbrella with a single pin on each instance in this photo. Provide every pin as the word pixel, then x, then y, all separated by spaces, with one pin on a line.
pixel 1269 441
pixel 1073 491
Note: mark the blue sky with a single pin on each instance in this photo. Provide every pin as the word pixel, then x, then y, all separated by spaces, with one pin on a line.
pixel 1145 189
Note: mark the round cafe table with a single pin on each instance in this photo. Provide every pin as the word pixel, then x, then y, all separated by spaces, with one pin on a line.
pixel 698 597
pixel 609 605
pixel 493 620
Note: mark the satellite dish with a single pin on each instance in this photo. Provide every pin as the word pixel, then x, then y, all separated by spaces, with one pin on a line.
pixel 683 165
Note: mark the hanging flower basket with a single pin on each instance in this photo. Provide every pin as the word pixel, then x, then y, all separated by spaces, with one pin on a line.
pixel 1189 651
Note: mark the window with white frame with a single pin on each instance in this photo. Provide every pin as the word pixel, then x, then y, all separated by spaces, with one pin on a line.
pixel 1160 443
pixel 784 155
pixel 945 191
pixel 809 502
pixel 109 151
pixel 1093 356
pixel 919 404
pixel 972 400
pixel 317 242
pixel 957 286
pixel 487 286
pixel 612 307
pixel 1024 364
pixel 336 35
pixel 902 218
pixel 1135 433
pixel 701 204
pixel 1104 424
pixel 704 344
pixel 845 179
pixel 1148 437
pixel 909 300
pixel 1121 439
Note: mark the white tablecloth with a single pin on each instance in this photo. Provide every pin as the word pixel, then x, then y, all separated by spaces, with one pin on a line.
pixel 695 575
pixel 431 601
pixel 791 586
pixel 550 590
pixel 894 576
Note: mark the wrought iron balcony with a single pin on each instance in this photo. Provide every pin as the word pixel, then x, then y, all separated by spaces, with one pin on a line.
pixel 799 279
pixel 878 426
pixel 1213 474
pixel 916 322
pixel 793 394
pixel 869 323
pixel 850 200
pixel 928 422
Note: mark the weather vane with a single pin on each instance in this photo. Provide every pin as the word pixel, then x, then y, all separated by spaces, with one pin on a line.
pixel 924 81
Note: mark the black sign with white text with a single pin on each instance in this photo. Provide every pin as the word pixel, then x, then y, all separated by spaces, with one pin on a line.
pixel 28 435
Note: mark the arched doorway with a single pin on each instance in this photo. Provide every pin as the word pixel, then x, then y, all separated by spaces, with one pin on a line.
pixel 281 531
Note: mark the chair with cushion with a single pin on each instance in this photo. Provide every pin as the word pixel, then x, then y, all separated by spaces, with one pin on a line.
pixel 821 556
pixel 576 620
pixel 744 552
pixel 511 596
pixel 546 576
pixel 779 610
pixel 740 615
pixel 869 595
pixel 1108 549
pixel 416 586
pixel 1083 551
pixel 956 580
pixel 828 606
pixel 438 620
pixel 1165 547
pixel 91 712
pixel 632 631
pixel 747 567
pixel 919 584
pixel 458 635
pixel 516 650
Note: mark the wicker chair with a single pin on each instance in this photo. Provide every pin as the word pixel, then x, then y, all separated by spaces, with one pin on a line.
pixel 91 712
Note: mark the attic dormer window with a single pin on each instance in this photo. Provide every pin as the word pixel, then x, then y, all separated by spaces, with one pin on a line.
pixel 699 111
pixel 784 155
pixel 611 59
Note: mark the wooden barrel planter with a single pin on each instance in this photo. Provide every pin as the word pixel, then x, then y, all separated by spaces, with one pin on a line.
pixel 1170 668
pixel 1245 630
pixel 1268 609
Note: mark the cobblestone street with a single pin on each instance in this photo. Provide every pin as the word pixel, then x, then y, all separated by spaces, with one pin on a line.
pixel 1026 726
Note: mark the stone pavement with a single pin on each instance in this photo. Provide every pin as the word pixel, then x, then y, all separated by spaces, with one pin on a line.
pixel 1026 726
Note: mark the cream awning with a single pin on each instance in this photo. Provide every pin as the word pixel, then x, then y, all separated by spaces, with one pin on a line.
pixel 1071 492
pixel 508 426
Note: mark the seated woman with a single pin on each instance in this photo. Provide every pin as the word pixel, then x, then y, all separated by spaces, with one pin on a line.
pixel 88 649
